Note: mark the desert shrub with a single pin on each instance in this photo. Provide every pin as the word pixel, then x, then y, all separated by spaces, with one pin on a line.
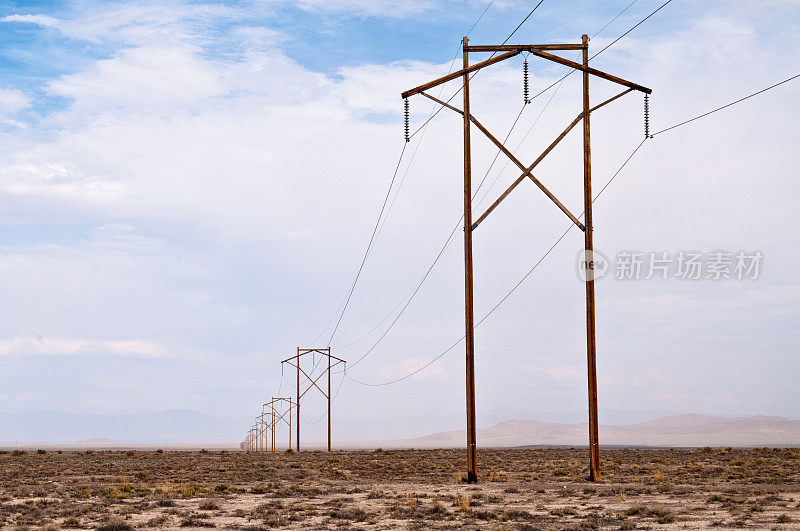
pixel 462 501
pixel 436 507
pixel 356 514
pixel 17 453
pixel 159 521
pixel 784 519
pixel 412 501
pixel 41 451
pixel 71 522
pixel 159 451
pixel 661 515
pixel 195 521
pixel 82 491
pixel 114 524
pixel 208 505
pixel 498 477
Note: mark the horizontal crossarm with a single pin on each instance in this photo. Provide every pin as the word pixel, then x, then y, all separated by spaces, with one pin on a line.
pixel 303 352
pixel 523 47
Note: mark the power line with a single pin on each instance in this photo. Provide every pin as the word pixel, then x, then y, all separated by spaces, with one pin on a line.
pixel 613 19
pixel 378 226
pixel 388 192
pixel 509 293
pixel 563 235
pixel 480 184
pixel 369 246
pixel 480 17
pixel 728 105
pixel 457 92
pixel 558 85
pixel 662 6
pixel 565 76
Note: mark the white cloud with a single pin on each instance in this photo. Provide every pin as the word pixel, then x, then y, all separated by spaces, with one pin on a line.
pixel 383 8
pixel 45 346
pixel 151 78
pixel 40 20
pixel 11 103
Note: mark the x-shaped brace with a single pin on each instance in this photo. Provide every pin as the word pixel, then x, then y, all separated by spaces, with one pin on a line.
pixel 526 171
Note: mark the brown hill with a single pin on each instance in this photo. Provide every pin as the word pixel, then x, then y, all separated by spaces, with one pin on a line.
pixel 680 430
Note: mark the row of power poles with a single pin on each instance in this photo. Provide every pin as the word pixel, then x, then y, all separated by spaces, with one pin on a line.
pixel 267 422
pixel 280 410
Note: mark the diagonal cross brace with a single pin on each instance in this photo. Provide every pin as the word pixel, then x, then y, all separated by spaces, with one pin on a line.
pixel 314 382
pixel 526 171
pixel 541 157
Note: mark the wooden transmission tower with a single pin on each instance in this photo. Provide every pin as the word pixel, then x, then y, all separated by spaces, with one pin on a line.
pixel 281 412
pixel 506 52
pixel 295 361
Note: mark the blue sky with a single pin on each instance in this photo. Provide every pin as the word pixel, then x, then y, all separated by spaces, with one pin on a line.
pixel 187 188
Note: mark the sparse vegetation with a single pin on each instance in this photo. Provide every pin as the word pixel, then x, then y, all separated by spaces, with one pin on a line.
pixel 520 489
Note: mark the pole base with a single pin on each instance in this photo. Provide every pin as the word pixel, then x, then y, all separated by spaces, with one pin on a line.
pixel 472 477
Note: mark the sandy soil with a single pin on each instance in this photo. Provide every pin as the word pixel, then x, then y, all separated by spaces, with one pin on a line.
pixel 407 489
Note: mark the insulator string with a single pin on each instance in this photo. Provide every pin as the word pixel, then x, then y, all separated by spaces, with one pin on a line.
pixel 406 115
pixel 525 87
pixel 647 116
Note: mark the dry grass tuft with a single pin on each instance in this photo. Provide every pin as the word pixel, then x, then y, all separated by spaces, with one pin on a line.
pixel 462 501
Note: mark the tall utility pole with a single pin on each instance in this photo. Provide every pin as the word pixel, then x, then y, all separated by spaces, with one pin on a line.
pixel 472 447
pixel 295 361
pixel 506 52
pixel 591 352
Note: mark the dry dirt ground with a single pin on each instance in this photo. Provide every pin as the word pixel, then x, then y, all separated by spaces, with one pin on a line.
pixel 406 489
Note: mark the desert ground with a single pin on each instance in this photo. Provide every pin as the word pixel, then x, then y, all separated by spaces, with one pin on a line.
pixel 407 489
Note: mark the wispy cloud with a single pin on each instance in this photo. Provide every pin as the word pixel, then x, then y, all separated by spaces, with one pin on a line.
pixel 61 346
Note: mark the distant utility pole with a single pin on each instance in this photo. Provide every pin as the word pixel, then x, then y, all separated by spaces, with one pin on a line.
pixel 281 412
pixel 267 429
pixel 295 361
pixel 254 438
pixel 543 51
